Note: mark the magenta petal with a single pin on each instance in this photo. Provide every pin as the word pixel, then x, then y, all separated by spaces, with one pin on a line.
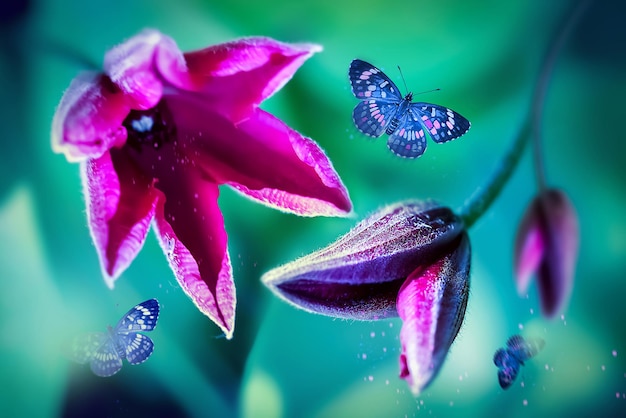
pixel 317 189
pixel 243 73
pixel 131 66
pixel 547 244
pixel 556 272
pixel 432 304
pixel 191 230
pixel 261 157
pixel 88 120
pixel 120 205
pixel 529 249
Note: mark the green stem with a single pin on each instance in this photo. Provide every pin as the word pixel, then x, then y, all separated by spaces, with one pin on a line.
pixel 67 53
pixel 541 88
pixel 481 200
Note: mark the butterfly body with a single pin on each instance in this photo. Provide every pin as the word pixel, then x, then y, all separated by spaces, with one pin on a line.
pixel 403 107
pixel 510 359
pixel 383 109
pixel 104 351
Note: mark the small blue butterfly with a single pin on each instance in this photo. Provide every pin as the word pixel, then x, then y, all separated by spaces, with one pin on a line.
pixel 383 109
pixel 105 351
pixel 510 359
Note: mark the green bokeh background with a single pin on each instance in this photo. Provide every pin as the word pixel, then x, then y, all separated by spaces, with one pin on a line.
pixel 283 362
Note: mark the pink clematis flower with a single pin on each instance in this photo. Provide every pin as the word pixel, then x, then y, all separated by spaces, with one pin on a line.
pixel 159 130
pixel 547 244
pixel 410 259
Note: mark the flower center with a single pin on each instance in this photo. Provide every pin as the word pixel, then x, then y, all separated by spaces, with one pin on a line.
pixel 153 127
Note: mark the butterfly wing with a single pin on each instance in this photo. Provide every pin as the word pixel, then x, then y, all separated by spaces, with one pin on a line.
pixel 380 98
pixel 408 141
pixel 142 317
pixel 84 347
pixel 442 124
pixel 506 377
pixel 508 367
pixel 372 116
pixel 524 349
pixel 106 360
pixel 138 347
pixel 368 82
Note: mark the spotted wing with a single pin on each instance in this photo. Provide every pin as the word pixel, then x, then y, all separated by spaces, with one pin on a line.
pixel 508 367
pixel 97 349
pixel 106 360
pixel 372 116
pixel 408 140
pixel 524 349
pixel 143 317
pixel 380 98
pixel 506 377
pixel 137 347
pixel 368 82
pixel 441 123
pixel 84 347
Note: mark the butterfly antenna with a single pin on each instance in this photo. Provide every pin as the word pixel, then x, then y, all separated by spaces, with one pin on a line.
pixel 428 91
pixel 403 80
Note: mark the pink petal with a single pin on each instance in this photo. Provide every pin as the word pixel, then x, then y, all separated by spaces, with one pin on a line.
pixel 529 249
pixel 191 230
pixel 132 66
pixel 556 272
pixel 88 120
pixel 120 205
pixel 432 304
pixel 243 73
pixel 261 157
pixel 547 244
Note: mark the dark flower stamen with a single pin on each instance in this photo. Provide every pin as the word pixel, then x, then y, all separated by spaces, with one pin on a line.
pixel 153 127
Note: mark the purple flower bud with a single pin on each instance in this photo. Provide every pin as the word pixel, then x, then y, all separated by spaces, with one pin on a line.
pixel 359 275
pixel 547 243
pixel 410 259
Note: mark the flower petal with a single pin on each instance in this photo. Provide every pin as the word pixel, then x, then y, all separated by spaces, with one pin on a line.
pixel 242 73
pixel 191 230
pixel 120 205
pixel 316 190
pixel 132 66
pixel 88 120
pixel 432 304
pixel 262 157
pixel 358 276
pixel 529 248
pixel 556 272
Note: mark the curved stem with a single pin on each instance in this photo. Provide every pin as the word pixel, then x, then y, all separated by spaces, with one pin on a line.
pixel 541 88
pixel 482 199
pixel 65 52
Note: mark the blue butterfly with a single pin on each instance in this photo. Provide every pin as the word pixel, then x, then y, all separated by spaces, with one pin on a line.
pixel 510 359
pixel 105 351
pixel 383 110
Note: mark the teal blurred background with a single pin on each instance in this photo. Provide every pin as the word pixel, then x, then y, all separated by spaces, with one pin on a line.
pixel 283 362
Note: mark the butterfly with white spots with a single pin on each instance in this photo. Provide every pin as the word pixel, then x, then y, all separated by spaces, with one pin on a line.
pixel 383 109
pixel 510 359
pixel 104 351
